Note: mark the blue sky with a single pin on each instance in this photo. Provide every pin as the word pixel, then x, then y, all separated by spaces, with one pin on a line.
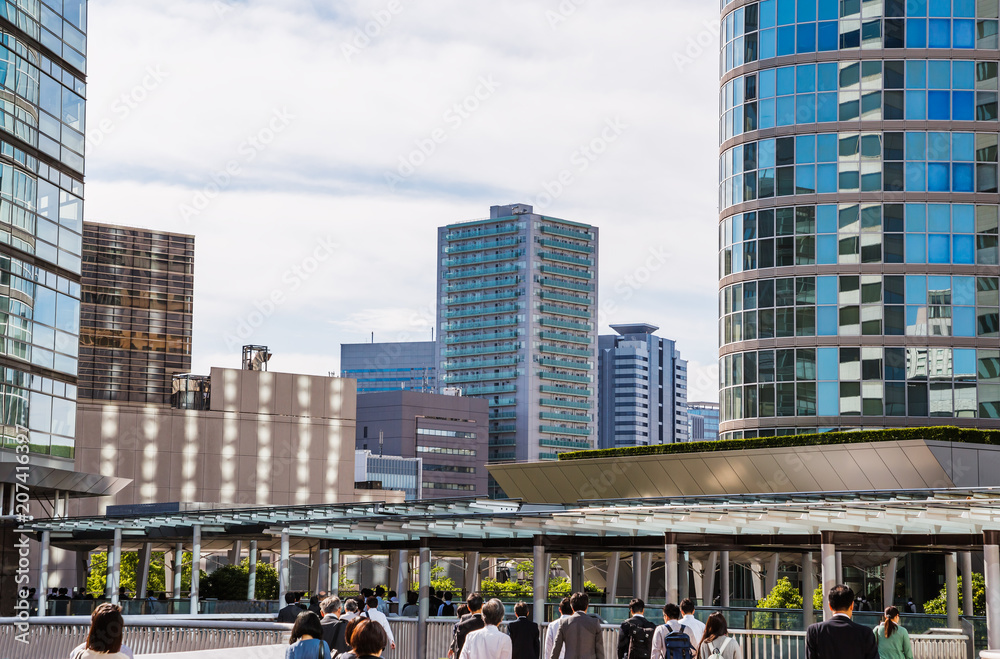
pixel 313 148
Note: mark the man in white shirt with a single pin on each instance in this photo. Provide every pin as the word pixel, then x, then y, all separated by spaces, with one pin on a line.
pixel 488 642
pixel 372 612
pixel 350 611
pixel 565 610
pixel 689 621
pixel 671 623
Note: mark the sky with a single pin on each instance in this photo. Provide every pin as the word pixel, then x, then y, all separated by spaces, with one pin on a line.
pixel 313 148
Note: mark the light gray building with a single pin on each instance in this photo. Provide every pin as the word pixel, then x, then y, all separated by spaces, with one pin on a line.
pixel 448 432
pixel 643 388
pixel 518 300
pixel 388 472
pixel 703 421
pixel 408 365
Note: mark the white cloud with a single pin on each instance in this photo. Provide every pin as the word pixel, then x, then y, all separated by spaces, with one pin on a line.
pixel 222 75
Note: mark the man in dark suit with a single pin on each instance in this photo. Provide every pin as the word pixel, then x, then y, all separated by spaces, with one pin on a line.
pixel 334 629
pixel 291 610
pixel 468 624
pixel 631 627
pixel 580 633
pixel 840 637
pixel 524 639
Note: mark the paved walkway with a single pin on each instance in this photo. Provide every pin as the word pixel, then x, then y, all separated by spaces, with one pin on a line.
pixel 258 652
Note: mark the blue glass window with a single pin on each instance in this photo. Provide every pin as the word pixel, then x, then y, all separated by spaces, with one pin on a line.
pixel 964 249
pixel 916 177
pixel 963 218
pixel 766 43
pixel 805 179
pixel 805 149
pixel 964 34
pixel 963 177
pixel 826 321
pixel 828 37
pixel 826 290
pixel 916 33
pixel 916 8
pixel 786 80
pixel 916 104
pixel 964 106
pixel 963 322
pixel 827 364
pixel 786 12
pixel 765 109
pixel 766 82
pixel 807 38
pixel 805 108
pixel 938 180
pixel 807 11
pixel 916 74
pixel 826 219
pixel 938 105
pixel 916 251
pixel 766 13
pixel 785 111
pixel 826 74
pixel 916 289
pixel 916 217
pixel 938 248
pixel 938 74
pixel 826 147
pixel 938 146
pixel 938 218
pixel 964 8
pixel 916 146
pixel 963 75
pixel 939 33
pixel 963 291
pixel 786 40
pixel 826 249
pixel 765 153
pixel 940 7
pixel 805 78
pixel 826 107
pixel 828 10
pixel 826 176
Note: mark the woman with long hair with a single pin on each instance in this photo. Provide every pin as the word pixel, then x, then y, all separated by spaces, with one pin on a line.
pixel 307 641
pixel 104 640
pixel 716 642
pixel 893 639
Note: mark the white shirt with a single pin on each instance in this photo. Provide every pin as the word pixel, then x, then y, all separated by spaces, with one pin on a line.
pixel 380 618
pixel 486 643
pixel 79 651
pixel 550 638
pixel 349 615
pixel 660 637
pixel 697 625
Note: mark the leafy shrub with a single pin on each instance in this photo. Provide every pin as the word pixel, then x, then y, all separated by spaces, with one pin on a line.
pixel 783 596
pixel 939 605
pixel 230 582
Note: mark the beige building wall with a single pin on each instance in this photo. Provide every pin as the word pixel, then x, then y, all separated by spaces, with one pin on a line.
pixel 268 439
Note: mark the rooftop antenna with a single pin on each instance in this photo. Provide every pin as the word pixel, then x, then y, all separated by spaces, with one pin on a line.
pixel 380 437
pixel 373 337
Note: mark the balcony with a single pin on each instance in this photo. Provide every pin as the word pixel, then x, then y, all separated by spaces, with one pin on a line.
pixel 490 389
pixel 503 455
pixel 565 324
pixel 567 233
pixel 508 427
pixel 482 272
pixel 481 363
pixel 562 244
pixel 473 299
pixel 566 391
pixel 564 377
pixel 567 338
pixel 570 404
pixel 559 430
pixel 562 297
pixel 566 311
pixel 564 443
pixel 500 282
pixel 484 245
pixel 503 441
pixel 561 363
pixel 483 311
pixel 485 258
pixel 476 338
pixel 478 324
pixel 565 272
pixel 479 377
pixel 573 418
pixel 565 258
pixel 562 283
pixel 503 402
pixel 496 415
pixel 487 350
pixel 467 234
pixel 573 352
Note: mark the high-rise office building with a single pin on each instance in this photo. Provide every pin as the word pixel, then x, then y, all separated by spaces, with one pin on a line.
pixel 642 385
pixel 516 325
pixel 703 421
pixel 858 215
pixel 135 326
pixel 395 366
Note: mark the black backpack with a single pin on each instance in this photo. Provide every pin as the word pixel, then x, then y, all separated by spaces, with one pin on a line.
pixel 640 645
pixel 677 645
pixel 447 609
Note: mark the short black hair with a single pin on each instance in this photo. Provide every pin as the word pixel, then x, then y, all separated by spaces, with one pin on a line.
pixel 521 609
pixel 579 601
pixel 448 595
pixel 291 597
pixel 372 602
pixel 412 597
pixel 636 605
pixel 475 601
pixel 671 611
pixel 379 591
pixel 687 606
pixel 306 623
pixel 565 607
pixel 841 597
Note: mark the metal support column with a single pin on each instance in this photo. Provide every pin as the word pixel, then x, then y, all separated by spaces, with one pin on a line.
pixel 671 568
pixel 771 579
pixel 471 571
pixel 252 581
pixel 724 573
pixel 323 570
pixel 43 577
pixel 425 598
pixel 145 554
pixel 115 566
pixel 684 583
pixel 808 588
pixel 178 569
pixel 283 568
pixel 967 590
pixel 540 581
pixel 576 572
pixel 195 568
pixel 636 574
pixel 991 563
pixel 828 557
pixel 403 576
pixel 951 586
pixel 840 567
pixel 612 579
pixel 709 579
pixel 335 574
pixel 889 583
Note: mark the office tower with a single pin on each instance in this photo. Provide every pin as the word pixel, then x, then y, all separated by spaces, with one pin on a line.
pixel 387 472
pixel 703 421
pixel 642 385
pixel 135 325
pixel 858 215
pixel 400 365
pixel 516 325
pixel 450 434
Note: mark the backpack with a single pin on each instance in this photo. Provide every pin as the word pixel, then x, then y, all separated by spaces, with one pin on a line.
pixel 717 651
pixel 447 609
pixel 677 645
pixel 640 645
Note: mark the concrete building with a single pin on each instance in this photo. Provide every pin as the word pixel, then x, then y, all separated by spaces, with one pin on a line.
pixel 642 384
pixel 450 433
pixel 858 214
pixel 408 365
pixel 518 301
pixel 135 321
pixel 388 472
pixel 263 438
pixel 703 421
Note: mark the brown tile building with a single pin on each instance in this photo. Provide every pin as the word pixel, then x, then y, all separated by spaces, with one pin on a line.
pixel 135 321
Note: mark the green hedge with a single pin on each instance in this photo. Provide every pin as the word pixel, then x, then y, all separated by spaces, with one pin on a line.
pixel 939 433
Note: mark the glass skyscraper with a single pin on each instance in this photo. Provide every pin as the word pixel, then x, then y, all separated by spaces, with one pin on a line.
pixel 858 215
pixel 43 78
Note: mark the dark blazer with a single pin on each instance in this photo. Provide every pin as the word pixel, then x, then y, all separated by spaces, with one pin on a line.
pixel 290 613
pixel 840 638
pixel 524 639
pixel 469 623
pixel 334 631
pixel 628 627
pixel 581 635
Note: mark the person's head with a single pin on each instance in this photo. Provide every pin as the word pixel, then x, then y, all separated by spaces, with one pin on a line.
pixel 462 610
pixel 909 598
pixel 63 591
pixel 687 606
pixel 579 601
pixel 447 596
pixel 314 601
pixel 636 606
pixel 366 593
pixel 392 594
pixel 372 602
pixel 565 607
pixel 351 627
pixel 379 591
pixel 521 609
pixel 493 612
pixel 106 629
pixel 307 624
pixel 475 602
pixel 412 597
pixel 841 599
pixel 368 638
pixel 671 611
pixel 291 598
pixel 330 606
pixel 351 606
pixel 891 620
pixel 715 627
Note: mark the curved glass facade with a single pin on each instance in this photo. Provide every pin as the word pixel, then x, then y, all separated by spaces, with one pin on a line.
pixel 858 232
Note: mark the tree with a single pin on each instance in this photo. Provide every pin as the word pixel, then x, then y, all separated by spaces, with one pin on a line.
pixel 818 598
pixel 939 605
pixel 782 596
pixel 230 582
pixel 156 583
